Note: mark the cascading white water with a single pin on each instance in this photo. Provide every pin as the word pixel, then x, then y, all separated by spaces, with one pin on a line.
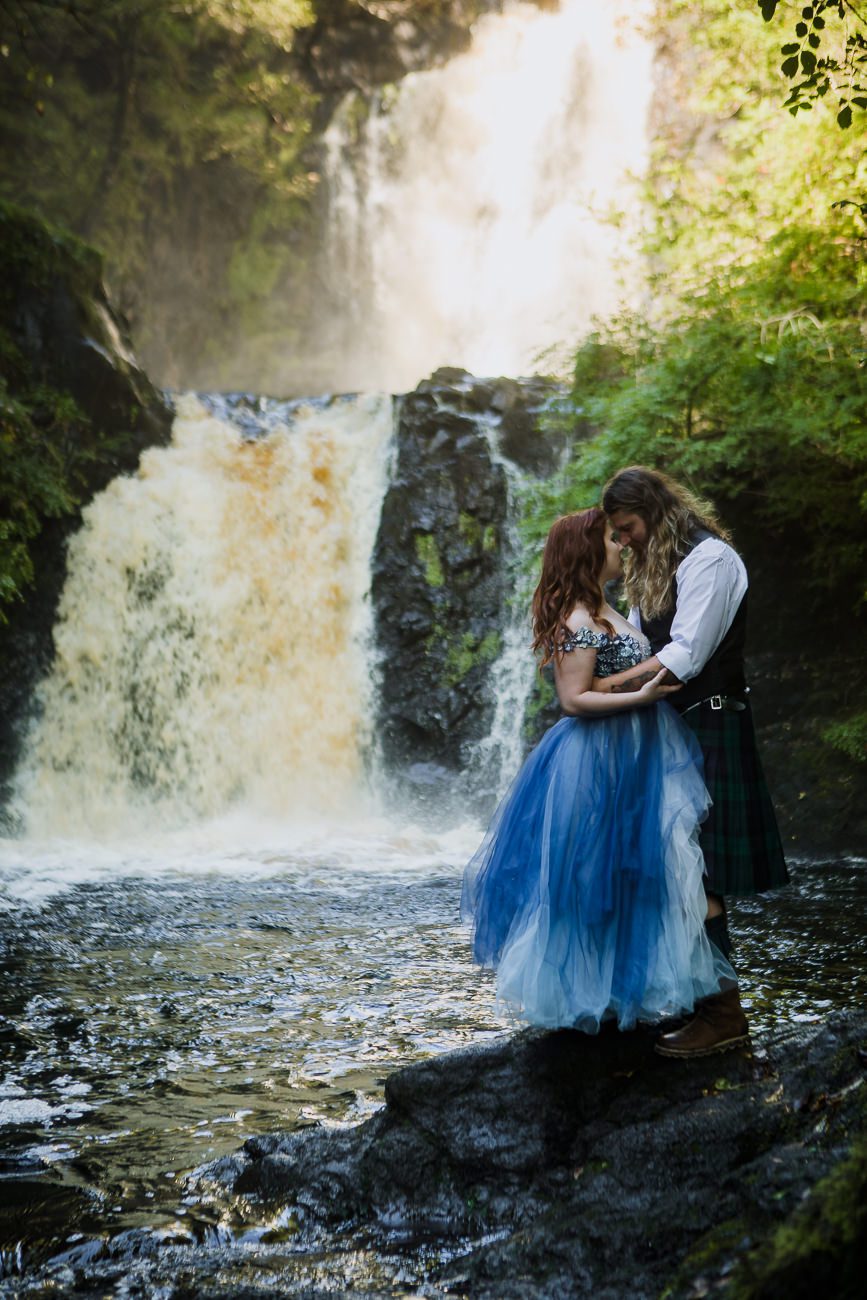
pixel 470 213
pixel 211 636
pixel 498 755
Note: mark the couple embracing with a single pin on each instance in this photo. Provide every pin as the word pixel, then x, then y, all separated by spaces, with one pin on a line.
pixel 598 891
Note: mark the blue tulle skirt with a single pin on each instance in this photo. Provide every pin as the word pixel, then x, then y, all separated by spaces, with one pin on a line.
pixel 586 894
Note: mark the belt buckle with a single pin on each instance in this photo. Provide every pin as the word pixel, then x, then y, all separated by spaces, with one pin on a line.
pixel 716 703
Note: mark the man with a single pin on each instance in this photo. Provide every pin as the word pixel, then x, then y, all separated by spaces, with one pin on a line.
pixel 687 588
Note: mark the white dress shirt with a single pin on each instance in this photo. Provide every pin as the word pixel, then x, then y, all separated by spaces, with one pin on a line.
pixel 711 583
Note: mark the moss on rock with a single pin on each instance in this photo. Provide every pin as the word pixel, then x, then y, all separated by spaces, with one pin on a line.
pixel 819 1249
pixel 429 557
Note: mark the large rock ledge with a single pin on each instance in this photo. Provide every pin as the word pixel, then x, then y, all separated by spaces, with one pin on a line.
pixel 573 1166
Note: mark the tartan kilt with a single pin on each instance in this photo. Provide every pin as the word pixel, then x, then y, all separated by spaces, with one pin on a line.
pixel 740 839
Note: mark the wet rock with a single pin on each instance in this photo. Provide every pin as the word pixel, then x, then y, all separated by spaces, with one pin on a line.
pixel 442 564
pixel 362 44
pixel 582 1165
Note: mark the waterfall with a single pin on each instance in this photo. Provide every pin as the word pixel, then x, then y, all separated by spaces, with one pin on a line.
pixel 478 212
pixel 497 757
pixel 211 640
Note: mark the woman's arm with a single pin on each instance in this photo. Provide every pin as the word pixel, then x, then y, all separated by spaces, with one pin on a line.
pixel 631 679
pixel 579 696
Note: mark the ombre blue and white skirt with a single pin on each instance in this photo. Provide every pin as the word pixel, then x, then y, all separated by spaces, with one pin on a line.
pixel 586 894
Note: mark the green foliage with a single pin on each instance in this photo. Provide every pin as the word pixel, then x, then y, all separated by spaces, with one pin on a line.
pixel 38 431
pixel 775 409
pixel 46 442
pixel 826 52
pixel 142 119
pixel 849 736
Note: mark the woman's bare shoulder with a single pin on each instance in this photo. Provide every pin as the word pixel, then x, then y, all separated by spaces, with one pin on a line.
pixel 581 617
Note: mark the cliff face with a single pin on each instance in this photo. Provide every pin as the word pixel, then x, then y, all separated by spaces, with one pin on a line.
pixel 443 564
pixel 362 44
pixel 76 411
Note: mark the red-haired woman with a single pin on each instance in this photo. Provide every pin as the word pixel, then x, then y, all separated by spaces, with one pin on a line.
pixel 586 893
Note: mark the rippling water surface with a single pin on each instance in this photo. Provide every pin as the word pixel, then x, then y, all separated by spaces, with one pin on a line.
pixel 159 1009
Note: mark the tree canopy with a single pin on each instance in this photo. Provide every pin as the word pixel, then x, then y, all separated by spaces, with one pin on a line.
pixel 132 121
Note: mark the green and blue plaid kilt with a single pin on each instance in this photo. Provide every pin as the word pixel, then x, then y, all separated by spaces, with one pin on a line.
pixel 740 839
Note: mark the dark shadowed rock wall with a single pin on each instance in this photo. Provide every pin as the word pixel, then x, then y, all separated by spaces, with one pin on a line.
pixel 441 568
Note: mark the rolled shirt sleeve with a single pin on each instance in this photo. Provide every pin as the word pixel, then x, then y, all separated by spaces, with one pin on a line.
pixel 711 583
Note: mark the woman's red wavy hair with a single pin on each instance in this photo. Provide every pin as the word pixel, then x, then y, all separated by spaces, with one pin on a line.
pixel 572 561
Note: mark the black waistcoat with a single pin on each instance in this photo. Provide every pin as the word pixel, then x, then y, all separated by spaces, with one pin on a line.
pixel 723 674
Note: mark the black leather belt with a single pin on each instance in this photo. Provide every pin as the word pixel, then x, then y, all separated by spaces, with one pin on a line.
pixel 717 702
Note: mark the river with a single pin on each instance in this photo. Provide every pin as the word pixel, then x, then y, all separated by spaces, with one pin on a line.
pixel 163 1006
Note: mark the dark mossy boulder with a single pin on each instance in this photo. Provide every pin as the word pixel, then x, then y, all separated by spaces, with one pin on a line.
pixel 564 1165
pixel 75 410
pixel 442 572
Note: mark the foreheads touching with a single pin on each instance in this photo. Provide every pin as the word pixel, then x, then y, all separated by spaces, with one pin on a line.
pixel 636 501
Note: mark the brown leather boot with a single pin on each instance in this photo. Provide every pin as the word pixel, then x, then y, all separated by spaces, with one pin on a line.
pixel 718 1024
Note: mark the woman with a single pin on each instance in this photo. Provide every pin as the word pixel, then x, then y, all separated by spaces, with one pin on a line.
pixel 586 894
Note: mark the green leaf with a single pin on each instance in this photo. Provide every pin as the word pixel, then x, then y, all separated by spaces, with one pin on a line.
pixel 767 7
pixel 808 60
pixel 818 22
pixel 789 67
pixel 801 29
pixel 792 48
pixel 807 12
pixel 814 40
pixel 844 117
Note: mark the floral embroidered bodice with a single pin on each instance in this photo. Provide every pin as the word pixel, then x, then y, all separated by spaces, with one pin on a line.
pixel 613 653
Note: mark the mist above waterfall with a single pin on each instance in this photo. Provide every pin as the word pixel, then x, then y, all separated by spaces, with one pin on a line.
pixel 477 215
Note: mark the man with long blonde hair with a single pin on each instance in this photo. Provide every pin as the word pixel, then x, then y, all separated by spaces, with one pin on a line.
pixel 687 589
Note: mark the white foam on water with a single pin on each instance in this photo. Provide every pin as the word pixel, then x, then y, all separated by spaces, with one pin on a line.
pixel 35 871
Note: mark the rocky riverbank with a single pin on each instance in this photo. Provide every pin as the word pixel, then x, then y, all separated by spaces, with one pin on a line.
pixel 580 1166
pixel 539 1166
